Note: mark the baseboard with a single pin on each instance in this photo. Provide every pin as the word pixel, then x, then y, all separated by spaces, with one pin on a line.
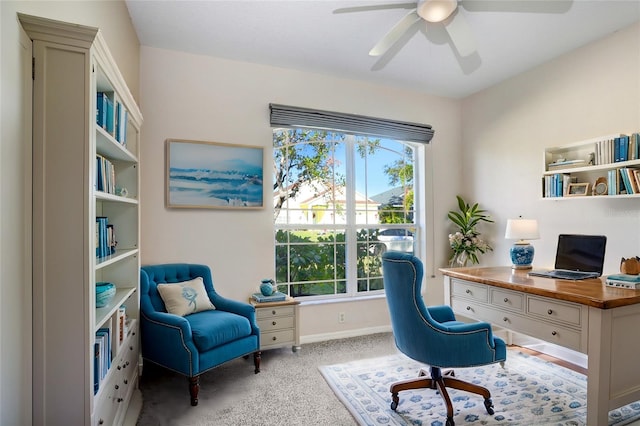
pixel 134 409
pixel 313 338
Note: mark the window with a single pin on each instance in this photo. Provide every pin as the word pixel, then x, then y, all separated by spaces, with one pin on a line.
pixel 340 201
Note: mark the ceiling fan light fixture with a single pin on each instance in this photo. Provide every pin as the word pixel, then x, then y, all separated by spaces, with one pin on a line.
pixel 436 10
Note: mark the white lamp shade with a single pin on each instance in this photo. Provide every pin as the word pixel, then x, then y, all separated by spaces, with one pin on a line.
pixel 436 10
pixel 522 229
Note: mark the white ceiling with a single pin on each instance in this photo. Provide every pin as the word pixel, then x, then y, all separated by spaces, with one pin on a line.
pixel 511 37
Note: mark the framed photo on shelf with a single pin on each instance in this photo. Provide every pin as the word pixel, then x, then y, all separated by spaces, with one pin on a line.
pixel 214 175
pixel 577 189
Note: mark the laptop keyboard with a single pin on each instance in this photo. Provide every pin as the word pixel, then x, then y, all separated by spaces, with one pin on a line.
pixel 565 275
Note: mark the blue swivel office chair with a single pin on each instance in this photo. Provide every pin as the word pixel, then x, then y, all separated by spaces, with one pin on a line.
pixel 432 335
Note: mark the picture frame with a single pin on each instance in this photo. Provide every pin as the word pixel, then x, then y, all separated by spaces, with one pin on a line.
pixel 213 175
pixel 578 189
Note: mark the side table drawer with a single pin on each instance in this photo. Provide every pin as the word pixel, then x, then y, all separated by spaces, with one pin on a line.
pixel 276 323
pixel 276 338
pixel 275 311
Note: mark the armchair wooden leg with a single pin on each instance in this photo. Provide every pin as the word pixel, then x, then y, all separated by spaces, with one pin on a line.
pixel 257 356
pixel 194 387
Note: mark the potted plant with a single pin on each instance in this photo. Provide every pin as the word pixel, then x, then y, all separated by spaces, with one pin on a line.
pixel 466 242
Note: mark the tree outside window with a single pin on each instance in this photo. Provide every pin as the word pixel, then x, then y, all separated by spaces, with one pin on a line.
pixel 340 201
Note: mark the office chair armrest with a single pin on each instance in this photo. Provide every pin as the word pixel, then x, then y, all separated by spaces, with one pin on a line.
pixel 441 313
pixel 474 327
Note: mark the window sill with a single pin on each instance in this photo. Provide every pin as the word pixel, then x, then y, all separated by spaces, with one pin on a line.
pixel 325 301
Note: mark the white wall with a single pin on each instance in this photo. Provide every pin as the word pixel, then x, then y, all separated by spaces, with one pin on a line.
pixel 15 174
pixel 591 92
pixel 201 98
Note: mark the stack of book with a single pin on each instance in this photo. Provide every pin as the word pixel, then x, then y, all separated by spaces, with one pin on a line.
pixel 102 358
pixel 278 296
pixel 105 237
pixel 624 281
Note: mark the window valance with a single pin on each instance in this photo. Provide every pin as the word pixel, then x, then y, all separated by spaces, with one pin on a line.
pixel 291 116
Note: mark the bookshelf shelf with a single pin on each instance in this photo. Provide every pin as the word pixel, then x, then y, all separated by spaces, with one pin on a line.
pixel 86 216
pixel 606 165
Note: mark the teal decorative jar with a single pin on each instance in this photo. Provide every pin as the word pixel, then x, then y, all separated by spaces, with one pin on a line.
pixel 266 288
pixel 104 293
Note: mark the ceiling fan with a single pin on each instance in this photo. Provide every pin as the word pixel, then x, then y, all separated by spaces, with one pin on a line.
pixel 433 11
pixel 448 13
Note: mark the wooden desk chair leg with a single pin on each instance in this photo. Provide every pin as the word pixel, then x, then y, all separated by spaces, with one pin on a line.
pixel 454 383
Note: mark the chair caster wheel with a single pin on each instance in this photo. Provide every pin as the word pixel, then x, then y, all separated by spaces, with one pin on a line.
pixel 394 405
pixel 450 422
pixel 489 406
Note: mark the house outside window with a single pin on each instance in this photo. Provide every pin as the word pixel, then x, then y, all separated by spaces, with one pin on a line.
pixel 340 202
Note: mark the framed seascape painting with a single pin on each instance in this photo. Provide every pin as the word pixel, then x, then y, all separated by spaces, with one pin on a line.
pixel 214 175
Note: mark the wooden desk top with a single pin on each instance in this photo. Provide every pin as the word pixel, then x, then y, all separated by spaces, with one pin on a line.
pixel 592 292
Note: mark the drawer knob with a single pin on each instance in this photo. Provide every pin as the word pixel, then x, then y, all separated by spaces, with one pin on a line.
pixel 549 311
pixel 506 300
pixel 120 400
pixel 274 338
pixel 100 422
pixel 554 333
pixel 130 348
pixel 468 308
pixel 273 323
pixel 117 387
pixel 126 382
pixel 468 291
pixel 273 312
pixel 119 368
pixel 505 319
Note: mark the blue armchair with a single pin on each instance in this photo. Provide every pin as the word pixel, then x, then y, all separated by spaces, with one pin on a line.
pixel 433 336
pixel 194 343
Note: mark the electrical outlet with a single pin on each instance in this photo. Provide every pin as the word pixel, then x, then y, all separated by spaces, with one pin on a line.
pixel 341 317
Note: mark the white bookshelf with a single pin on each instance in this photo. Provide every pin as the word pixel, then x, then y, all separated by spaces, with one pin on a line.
pixel 590 165
pixel 71 65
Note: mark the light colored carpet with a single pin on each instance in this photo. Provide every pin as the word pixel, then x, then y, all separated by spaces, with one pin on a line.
pixel 527 391
pixel 288 391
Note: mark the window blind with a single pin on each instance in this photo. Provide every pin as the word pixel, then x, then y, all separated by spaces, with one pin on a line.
pixel 291 116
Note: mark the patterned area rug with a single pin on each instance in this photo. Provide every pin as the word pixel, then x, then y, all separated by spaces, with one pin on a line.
pixel 527 391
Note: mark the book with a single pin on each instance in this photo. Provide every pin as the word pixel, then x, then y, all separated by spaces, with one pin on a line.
pixel 624 277
pixel 121 123
pixel 275 297
pixel 121 319
pixel 623 281
pixel 96 367
pixel 102 249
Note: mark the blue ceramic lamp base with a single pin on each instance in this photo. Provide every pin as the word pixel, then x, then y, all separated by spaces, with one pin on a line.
pixel 522 255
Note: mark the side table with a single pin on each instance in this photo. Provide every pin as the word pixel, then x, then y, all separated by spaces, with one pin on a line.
pixel 279 324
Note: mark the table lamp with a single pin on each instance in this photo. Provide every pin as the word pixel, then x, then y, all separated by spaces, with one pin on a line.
pixel 522 252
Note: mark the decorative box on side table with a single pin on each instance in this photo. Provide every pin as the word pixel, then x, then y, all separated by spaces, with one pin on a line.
pixel 278 322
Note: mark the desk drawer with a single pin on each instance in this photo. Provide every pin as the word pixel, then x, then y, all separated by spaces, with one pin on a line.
pixel 507 299
pixel 275 323
pixel 519 323
pixel 551 310
pixel 276 311
pixel 469 290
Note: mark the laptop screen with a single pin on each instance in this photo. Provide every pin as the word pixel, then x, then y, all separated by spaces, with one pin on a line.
pixel 581 252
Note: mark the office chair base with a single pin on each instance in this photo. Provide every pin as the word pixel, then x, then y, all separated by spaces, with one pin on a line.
pixel 440 382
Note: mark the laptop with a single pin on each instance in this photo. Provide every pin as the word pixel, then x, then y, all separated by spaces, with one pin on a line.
pixel 578 257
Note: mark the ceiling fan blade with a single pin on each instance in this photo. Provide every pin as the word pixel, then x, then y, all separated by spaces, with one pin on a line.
pixel 461 35
pixel 395 33
pixel 411 5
